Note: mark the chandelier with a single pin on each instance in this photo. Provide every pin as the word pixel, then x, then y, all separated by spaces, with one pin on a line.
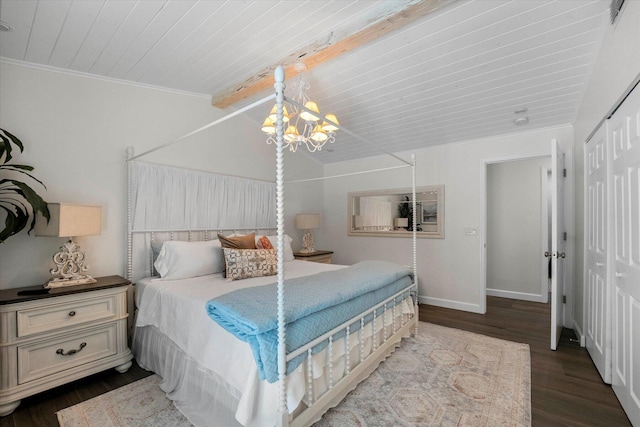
pixel 303 126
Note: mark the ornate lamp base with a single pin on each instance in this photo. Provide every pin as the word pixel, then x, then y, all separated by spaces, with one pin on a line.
pixel 69 266
pixel 58 282
pixel 307 243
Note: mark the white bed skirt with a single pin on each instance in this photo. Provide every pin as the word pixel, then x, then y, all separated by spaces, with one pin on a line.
pixel 199 394
pixel 205 399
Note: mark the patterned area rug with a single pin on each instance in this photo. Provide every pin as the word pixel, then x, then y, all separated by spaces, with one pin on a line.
pixel 443 377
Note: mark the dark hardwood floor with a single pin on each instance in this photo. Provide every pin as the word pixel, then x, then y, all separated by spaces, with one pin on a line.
pixel 40 410
pixel 566 389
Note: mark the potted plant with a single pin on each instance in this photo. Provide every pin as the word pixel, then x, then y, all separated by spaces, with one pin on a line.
pixel 405 210
pixel 20 202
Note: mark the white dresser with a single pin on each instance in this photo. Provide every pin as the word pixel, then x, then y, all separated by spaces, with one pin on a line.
pixel 52 337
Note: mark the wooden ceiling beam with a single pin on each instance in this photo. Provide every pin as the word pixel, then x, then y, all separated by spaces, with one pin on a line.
pixel 322 52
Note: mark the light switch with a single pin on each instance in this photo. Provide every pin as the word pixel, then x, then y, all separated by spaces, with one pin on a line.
pixel 470 231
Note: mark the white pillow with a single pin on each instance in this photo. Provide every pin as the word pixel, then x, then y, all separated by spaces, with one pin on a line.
pixel 181 260
pixel 288 252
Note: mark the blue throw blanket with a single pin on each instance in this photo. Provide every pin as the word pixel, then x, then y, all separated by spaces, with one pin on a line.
pixel 313 305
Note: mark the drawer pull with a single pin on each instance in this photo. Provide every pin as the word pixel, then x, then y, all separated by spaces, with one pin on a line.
pixel 71 352
pixel 72 313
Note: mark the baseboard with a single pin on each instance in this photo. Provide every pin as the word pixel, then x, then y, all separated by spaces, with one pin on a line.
pixel 516 295
pixel 456 305
pixel 578 331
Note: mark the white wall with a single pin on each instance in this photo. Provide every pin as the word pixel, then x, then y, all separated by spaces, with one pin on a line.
pixel 618 64
pixel 76 129
pixel 449 269
pixel 514 229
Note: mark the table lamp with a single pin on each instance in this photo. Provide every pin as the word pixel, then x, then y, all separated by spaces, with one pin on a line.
pixel 401 222
pixel 307 221
pixel 68 220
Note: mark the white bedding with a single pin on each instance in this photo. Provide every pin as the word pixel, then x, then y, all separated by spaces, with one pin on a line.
pixel 175 309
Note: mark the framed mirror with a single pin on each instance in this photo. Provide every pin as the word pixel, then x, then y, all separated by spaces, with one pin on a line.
pixel 388 213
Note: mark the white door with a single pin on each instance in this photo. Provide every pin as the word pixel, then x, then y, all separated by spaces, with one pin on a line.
pixel 597 291
pixel 557 242
pixel 545 240
pixel 625 155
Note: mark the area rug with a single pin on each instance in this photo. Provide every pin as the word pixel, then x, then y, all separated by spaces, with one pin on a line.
pixel 442 377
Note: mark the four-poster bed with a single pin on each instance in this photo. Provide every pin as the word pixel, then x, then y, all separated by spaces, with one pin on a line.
pixel 209 372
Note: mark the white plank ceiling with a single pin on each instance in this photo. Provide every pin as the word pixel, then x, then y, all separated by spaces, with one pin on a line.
pixel 457 74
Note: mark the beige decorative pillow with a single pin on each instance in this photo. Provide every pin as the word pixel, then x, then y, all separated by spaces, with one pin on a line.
pixel 247 241
pixel 246 263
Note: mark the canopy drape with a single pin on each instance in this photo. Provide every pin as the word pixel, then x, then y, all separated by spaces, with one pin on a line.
pixel 171 198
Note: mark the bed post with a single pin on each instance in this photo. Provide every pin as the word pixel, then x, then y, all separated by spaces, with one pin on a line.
pixel 129 260
pixel 282 417
pixel 414 240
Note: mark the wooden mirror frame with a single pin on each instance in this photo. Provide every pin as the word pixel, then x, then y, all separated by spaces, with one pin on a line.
pixel 427 228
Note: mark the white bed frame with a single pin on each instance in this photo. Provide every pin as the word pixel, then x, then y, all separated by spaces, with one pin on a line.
pixel 338 389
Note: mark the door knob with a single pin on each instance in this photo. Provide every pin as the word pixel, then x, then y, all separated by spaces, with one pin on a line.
pixel 599 264
pixel 618 274
pixel 547 254
pixel 560 255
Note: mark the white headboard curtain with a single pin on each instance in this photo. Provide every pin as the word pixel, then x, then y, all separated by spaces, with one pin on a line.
pixel 191 200
pixel 376 214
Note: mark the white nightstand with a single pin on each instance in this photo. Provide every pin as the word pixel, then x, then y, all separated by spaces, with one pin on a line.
pixel 323 257
pixel 49 337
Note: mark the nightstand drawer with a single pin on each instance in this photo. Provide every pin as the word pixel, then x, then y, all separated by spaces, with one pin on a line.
pixel 57 316
pixel 323 257
pixel 49 357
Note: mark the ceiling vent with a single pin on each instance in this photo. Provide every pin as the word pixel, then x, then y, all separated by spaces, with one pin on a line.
pixel 614 10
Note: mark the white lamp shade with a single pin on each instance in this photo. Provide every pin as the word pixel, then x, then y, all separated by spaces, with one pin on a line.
pixel 401 222
pixel 318 134
pixel 328 127
pixel 268 127
pixel 309 117
pixel 69 220
pixel 307 221
pixel 291 134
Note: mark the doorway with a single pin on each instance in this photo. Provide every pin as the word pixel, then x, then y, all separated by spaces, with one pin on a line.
pixel 517 229
pixel 562 235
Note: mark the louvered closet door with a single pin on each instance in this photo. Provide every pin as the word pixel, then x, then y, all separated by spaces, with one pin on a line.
pixel 625 152
pixel 597 292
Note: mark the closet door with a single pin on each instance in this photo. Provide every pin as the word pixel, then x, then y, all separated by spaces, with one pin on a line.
pixel 597 292
pixel 625 156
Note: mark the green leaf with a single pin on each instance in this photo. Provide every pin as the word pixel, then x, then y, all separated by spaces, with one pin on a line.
pixel 36 202
pixel 5 150
pixel 18 218
pixel 21 203
pixel 13 168
pixel 14 139
pixel 6 138
pixel 14 223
